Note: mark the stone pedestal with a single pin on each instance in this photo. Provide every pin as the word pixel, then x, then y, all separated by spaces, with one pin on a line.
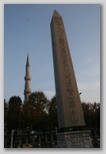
pixel 74 139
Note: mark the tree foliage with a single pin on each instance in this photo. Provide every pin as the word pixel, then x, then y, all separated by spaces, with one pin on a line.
pixel 13 116
pixel 29 117
pixel 53 114
pixel 40 114
pixel 92 116
pixel 39 101
pixel 5 111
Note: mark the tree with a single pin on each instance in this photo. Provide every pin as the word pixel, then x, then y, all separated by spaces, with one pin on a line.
pixel 15 101
pixel 13 116
pixel 92 116
pixel 40 103
pixel 5 114
pixel 53 123
pixel 29 118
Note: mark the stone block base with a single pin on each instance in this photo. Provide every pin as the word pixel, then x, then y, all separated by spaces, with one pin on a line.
pixel 74 139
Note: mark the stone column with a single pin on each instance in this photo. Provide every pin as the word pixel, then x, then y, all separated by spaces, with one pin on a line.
pixel 20 141
pixel 12 136
pixel 39 144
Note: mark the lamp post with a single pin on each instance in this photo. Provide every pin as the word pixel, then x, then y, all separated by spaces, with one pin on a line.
pixel 12 135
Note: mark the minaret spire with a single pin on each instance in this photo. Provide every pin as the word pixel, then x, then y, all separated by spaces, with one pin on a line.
pixel 27 78
pixel 27 62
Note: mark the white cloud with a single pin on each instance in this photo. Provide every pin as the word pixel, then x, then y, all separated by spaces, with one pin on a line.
pixel 90 91
pixel 49 94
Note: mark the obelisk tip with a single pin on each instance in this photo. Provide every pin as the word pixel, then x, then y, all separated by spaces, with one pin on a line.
pixel 55 13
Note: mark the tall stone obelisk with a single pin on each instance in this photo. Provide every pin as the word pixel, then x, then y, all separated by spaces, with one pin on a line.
pixel 70 112
pixel 69 109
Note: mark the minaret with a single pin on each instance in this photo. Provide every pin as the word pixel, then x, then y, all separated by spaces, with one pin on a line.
pixel 27 78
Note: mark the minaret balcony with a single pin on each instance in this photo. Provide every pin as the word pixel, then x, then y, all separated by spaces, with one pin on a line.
pixel 26 91
pixel 27 77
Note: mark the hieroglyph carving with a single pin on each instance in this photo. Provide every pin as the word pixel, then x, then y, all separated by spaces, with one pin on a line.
pixel 67 75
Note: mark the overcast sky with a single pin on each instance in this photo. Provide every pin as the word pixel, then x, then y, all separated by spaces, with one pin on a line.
pixel 82 26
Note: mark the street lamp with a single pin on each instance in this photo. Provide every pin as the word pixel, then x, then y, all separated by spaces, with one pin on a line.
pixel 12 135
pixel 80 93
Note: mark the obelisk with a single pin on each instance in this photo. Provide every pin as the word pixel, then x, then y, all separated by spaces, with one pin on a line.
pixel 69 107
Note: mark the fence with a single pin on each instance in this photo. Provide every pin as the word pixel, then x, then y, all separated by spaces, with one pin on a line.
pixel 37 140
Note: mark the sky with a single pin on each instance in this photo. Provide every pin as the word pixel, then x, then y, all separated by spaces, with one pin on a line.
pixel 82 26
